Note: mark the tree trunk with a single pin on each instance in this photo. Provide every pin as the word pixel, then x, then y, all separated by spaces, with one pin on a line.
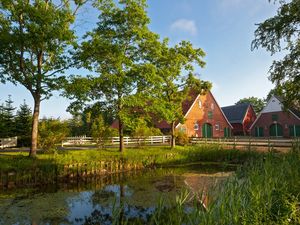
pixel 121 136
pixel 173 144
pixel 35 123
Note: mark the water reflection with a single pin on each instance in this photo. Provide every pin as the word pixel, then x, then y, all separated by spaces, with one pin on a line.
pixel 133 196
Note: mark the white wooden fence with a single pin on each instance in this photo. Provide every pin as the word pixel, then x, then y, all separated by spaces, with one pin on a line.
pixel 8 142
pixel 151 140
pixel 244 142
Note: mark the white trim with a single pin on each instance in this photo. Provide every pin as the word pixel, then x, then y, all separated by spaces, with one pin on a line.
pixel 189 110
pixel 209 92
pixel 271 112
pixel 221 110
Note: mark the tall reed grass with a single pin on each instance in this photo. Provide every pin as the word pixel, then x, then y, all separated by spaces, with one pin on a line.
pixel 263 191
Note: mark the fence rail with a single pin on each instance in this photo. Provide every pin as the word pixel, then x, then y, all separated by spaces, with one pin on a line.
pixel 8 142
pixel 163 140
pixel 151 140
pixel 244 142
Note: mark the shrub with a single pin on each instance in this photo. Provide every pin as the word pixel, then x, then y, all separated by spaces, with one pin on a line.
pixel 51 132
pixel 181 138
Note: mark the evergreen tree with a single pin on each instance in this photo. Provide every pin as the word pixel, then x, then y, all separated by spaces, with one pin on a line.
pixel 8 118
pixel 23 120
pixel 2 127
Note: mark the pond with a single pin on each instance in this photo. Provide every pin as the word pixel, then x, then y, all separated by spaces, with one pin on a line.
pixel 97 201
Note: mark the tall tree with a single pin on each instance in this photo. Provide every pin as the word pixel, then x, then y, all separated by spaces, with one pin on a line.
pixel 35 37
pixel 257 103
pixel 115 50
pixel 175 67
pixel 278 33
pixel 23 120
pixel 8 118
pixel 7 123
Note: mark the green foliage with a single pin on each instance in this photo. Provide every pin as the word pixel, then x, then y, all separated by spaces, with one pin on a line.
pixel 7 119
pixel 257 103
pixel 23 120
pixel 281 33
pixel 119 60
pixel 142 129
pixel 51 132
pixel 175 67
pixel 35 44
pixel 101 132
pixel 181 138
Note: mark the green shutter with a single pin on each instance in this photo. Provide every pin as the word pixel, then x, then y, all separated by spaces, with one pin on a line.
pixel 259 131
pixel 210 115
pixel 226 132
pixel 274 117
pixel 276 130
pixel 294 131
pixel 207 130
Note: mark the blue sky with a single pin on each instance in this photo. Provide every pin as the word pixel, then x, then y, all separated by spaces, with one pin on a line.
pixel 224 29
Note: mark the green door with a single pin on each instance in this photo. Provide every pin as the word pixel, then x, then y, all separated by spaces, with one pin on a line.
pixel 207 130
pixel 226 132
pixel 294 130
pixel 259 131
pixel 276 130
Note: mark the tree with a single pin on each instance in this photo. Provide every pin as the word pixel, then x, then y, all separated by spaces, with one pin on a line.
pixel 35 37
pixel 173 86
pixel 278 33
pixel 115 51
pixel 52 132
pixel 8 118
pixel 101 131
pixel 23 120
pixel 257 103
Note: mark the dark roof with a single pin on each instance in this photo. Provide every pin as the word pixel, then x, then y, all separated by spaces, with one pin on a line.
pixel 236 113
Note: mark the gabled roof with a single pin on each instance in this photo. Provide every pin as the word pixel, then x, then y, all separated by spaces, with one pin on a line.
pixel 236 113
pixel 295 112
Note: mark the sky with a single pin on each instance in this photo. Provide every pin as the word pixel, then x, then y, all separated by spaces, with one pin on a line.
pixel 224 29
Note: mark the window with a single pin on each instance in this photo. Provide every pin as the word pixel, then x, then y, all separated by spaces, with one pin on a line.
pixel 210 115
pixel 217 126
pixel 274 117
pixel 196 126
pixel 212 106
pixel 200 104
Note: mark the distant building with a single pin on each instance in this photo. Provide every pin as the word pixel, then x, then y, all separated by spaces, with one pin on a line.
pixel 274 121
pixel 241 117
pixel 203 117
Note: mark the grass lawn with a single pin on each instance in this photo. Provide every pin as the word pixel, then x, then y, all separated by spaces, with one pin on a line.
pixel 146 155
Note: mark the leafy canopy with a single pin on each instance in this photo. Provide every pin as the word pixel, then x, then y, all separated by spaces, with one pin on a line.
pixel 282 33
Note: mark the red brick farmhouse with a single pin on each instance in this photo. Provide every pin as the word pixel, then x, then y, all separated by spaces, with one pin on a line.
pixel 273 121
pixel 241 117
pixel 203 118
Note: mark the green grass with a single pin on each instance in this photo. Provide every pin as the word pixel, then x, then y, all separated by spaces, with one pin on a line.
pixel 160 156
pixel 263 191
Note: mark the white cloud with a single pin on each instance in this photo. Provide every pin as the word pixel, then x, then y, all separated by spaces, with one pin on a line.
pixel 188 26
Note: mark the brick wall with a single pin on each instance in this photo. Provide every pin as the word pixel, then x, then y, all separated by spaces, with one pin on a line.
pixel 285 119
pixel 200 115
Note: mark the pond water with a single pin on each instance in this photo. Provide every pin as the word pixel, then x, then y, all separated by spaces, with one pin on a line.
pixel 96 201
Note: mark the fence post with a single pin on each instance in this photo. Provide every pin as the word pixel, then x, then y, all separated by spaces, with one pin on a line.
pixel 234 143
pixel 163 139
pixel 249 147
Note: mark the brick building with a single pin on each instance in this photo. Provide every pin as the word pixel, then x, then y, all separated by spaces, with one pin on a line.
pixel 204 117
pixel 274 121
pixel 241 117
